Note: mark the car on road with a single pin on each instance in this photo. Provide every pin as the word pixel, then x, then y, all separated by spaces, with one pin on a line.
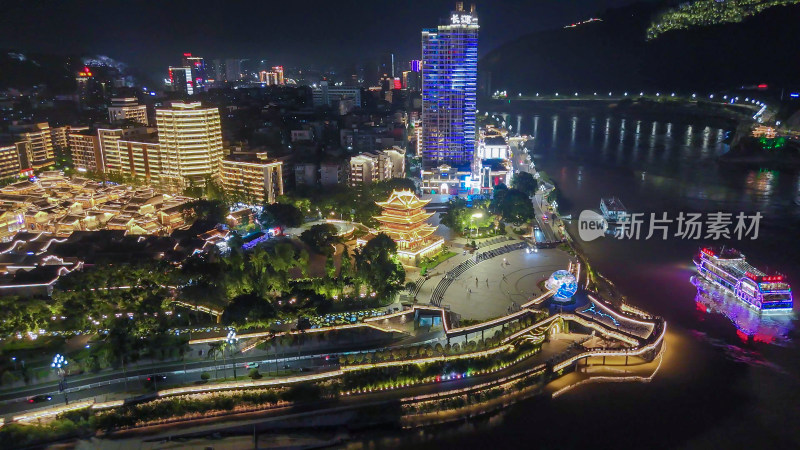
pixel 40 399
pixel 251 365
pixel 153 380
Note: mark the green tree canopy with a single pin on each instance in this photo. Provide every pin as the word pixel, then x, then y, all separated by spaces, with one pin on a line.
pixel 281 214
pixel 320 238
pixel 524 181
pixel 377 265
pixel 513 205
pixel 247 307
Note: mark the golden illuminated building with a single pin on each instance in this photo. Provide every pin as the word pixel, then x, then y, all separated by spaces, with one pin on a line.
pixel 258 180
pixel 85 150
pixel 405 221
pixel 9 162
pixel 39 140
pixel 191 142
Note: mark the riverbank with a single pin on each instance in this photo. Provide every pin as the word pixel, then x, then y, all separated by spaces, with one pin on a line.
pixel 775 153
pixel 653 107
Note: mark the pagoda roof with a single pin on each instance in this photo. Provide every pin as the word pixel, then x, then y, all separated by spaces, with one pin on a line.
pixel 414 235
pixel 398 219
pixel 404 199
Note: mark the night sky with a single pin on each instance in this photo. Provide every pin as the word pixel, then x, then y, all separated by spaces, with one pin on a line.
pixel 153 34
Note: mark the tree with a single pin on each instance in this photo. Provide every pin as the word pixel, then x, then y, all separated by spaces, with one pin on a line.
pixel 208 211
pixel 377 265
pixel 513 205
pixel 281 214
pixel 457 215
pixel 524 181
pixel 320 238
pixel 247 308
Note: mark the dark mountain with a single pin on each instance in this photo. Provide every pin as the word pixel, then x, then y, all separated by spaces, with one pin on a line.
pixel 24 70
pixel 615 55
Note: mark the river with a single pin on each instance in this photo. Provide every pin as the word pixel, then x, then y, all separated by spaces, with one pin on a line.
pixel 716 389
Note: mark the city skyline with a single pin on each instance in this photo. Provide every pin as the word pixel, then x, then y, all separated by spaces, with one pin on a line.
pixel 386 225
pixel 279 34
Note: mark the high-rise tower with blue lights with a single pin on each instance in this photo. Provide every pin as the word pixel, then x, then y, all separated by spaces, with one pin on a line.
pixel 449 90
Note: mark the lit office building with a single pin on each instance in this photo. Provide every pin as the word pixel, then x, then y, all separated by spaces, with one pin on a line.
pixel 191 143
pixel 198 70
pixel 449 85
pixel 39 140
pixel 327 95
pixel 411 80
pixel 278 71
pixel 268 78
pixel 256 180
pixel 85 149
pixel 493 147
pixel 60 136
pixel 122 109
pixel 272 77
pixel 91 92
pixel 141 159
pixel 370 167
pixel 108 139
pixel 10 166
pixel 180 80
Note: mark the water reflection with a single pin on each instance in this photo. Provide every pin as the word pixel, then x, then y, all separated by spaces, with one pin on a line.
pixel 680 155
pixel 555 131
pixel 574 127
pixel 750 325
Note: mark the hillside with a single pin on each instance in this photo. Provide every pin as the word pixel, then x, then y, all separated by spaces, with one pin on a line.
pixel 615 54
pixel 700 13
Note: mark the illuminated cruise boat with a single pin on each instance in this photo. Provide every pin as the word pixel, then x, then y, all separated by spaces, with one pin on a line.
pixel 727 269
pixel 613 210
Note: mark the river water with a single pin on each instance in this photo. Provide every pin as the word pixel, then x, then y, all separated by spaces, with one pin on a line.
pixel 716 389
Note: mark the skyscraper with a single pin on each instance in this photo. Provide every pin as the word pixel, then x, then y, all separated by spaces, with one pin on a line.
pixel 191 143
pixel 449 90
pixel 180 80
pixel 198 70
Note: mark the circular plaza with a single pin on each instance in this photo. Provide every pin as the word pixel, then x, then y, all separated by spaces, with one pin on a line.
pixel 495 286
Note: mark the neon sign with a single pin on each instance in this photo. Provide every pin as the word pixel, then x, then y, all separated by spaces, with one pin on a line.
pixel 463 19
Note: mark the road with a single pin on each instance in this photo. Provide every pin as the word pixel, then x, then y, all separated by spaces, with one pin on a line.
pixel 558 345
pixel 115 385
pixel 522 163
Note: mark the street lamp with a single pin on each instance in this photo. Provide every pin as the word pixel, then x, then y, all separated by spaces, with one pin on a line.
pixel 472 219
pixel 231 340
pixel 59 362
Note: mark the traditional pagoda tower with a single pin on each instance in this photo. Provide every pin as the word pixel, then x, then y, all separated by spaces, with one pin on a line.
pixel 405 221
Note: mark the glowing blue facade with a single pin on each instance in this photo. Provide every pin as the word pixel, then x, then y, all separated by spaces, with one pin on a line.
pixel 449 91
